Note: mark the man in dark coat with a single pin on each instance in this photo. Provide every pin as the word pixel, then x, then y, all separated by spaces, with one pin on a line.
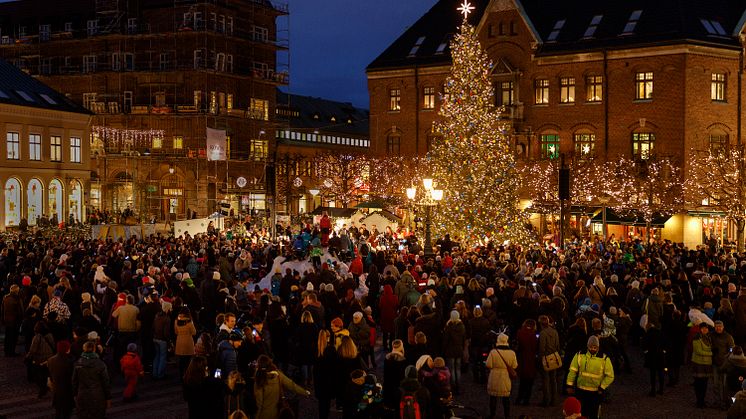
pixel 429 325
pixel 61 374
pixel 146 316
pixel 12 316
pixel 91 385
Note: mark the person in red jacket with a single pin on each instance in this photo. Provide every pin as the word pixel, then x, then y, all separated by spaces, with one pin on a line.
pixel 132 370
pixel 387 305
pixel 326 229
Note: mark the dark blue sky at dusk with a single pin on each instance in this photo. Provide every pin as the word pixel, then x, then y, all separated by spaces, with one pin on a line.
pixel 332 41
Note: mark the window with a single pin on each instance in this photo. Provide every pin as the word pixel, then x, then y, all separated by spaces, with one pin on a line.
pixel 178 142
pixel 550 145
pixel 129 61
pixel 157 143
pixel 258 149
pixel 416 46
pixel 718 142
pixel 567 90
pixel 393 144
pixel 92 27
pixel 229 27
pixel 198 99
pixel 428 97
pixel 132 25
pixel 507 95
pixel 229 102
pixel 213 21
pixel 584 145
pixel 44 32
pixel 127 105
pixel 68 26
pixel 160 99
pixel 594 88
pixel 75 149
pixel 197 58
pixel 55 148
pixel 629 28
pixel 89 63
pixel 165 61
pixel 116 61
pixel 221 101
pixel 34 147
pixel 221 24
pixel 12 143
pixel 88 100
pixel 259 33
pixel 713 27
pixel 259 109
pixel 644 85
pixel 541 90
pixel 591 30
pixel 643 145
pixel 213 102
pixel 395 99
pixel 229 63
pixel 555 30
pixel 220 62
pixel 717 89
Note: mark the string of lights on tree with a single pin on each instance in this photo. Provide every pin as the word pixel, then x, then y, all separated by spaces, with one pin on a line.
pixel 473 160
pixel 716 179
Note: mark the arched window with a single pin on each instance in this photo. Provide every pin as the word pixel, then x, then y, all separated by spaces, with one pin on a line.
pixel 643 145
pixel 718 141
pixel 550 145
pixel 55 198
pixel 584 143
pixel 34 200
pixel 75 201
pixel 12 202
pixel 393 142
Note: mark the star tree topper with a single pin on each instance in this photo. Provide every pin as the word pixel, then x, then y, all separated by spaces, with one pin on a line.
pixel 465 9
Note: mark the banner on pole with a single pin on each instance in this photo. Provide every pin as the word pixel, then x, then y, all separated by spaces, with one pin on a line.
pixel 216 144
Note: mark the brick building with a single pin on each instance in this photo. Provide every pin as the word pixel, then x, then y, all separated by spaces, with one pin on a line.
pixel 157 74
pixel 634 78
pixel 45 169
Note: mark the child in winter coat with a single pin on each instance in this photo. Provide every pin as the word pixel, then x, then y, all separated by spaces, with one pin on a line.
pixel 132 370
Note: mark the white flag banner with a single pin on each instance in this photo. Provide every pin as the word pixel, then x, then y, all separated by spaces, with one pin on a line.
pixel 216 144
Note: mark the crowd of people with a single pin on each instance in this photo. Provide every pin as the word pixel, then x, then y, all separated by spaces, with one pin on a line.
pixel 558 320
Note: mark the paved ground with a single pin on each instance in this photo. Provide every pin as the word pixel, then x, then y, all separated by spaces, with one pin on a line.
pixel 163 399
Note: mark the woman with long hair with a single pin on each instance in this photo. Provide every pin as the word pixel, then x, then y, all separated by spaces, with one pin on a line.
pixel 306 336
pixel 269 384
pixel 577 338
pixel 349 361
pixel 325 364
pixel 202 392
pixel 30 318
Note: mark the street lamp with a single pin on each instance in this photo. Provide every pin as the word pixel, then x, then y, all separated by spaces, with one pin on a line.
pixel 430 199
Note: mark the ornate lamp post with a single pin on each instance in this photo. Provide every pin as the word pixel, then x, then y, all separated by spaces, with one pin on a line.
pixel 430 199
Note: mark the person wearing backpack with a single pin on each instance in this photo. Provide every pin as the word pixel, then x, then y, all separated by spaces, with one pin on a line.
pixel 415 399
pixel 501 361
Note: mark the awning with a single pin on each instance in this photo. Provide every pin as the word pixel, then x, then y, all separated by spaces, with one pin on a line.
pixel 615 219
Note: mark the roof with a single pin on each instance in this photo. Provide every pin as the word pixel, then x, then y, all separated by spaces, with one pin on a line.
pixel 617 24
pixel 335 212
pixel 324 115
pixel 388 215
pixel 20 89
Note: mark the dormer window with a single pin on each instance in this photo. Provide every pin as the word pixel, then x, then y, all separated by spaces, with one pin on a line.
pixel 416 46
pixel 593 26
pixel 556 30
pixel 629 28
pixel 713 27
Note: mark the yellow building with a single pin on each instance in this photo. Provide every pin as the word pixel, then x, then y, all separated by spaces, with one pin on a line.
pixel 45 155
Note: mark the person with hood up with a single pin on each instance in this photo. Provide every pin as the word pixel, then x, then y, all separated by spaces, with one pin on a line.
pixel 653 307
pixel 413 394
pixel 404 285
pixel 132 370
pixel 499 382
pixel 90 384
pixel 387 306
pixel 571 409
pixel 454 343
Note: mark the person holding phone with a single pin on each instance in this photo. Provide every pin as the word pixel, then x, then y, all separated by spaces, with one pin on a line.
pixel 202 391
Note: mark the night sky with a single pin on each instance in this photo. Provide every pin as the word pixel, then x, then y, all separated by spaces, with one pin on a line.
pixel 332 41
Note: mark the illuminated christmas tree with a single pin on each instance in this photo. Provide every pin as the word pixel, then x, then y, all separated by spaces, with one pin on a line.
pixel 473 162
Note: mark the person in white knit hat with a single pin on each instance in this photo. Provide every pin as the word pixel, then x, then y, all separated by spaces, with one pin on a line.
pixel 500 361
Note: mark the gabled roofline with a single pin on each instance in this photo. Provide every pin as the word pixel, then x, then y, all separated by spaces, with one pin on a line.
pixel 738 29
pixel 521 12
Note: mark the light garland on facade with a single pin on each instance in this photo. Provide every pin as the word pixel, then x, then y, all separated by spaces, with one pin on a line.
pixel 116 137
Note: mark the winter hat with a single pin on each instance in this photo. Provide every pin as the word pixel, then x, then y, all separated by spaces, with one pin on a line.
pixel 166 306
pixel 309 287
pixel 26 282
pixel 132 347
pixel 410 372
pixel 358 315
pixel 455 316
pixel 235 336
pixel 593 341
pixel 424 359
pixel 329 288
pixel 397 346
pixel 189 282
pixel 430 283
pixel 93 336
pixel 502 339
pixel 63 347
pixel 571 406
pixel 635 284
pixel 216 275
pixel 337 322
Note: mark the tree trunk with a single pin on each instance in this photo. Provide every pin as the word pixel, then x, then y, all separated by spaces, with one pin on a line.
pixel 740 222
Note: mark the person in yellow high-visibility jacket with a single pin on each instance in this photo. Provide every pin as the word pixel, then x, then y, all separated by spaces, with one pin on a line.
pixel 589 376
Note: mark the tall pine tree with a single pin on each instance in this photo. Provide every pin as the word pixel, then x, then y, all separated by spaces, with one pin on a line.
pixel 473 161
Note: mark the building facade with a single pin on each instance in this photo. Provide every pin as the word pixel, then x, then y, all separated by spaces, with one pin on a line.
pixel 157 74
pixel 45 169
pixel 309 126
pixel 577 79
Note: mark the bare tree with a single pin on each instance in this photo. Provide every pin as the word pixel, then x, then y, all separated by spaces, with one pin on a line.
pixel 340 175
